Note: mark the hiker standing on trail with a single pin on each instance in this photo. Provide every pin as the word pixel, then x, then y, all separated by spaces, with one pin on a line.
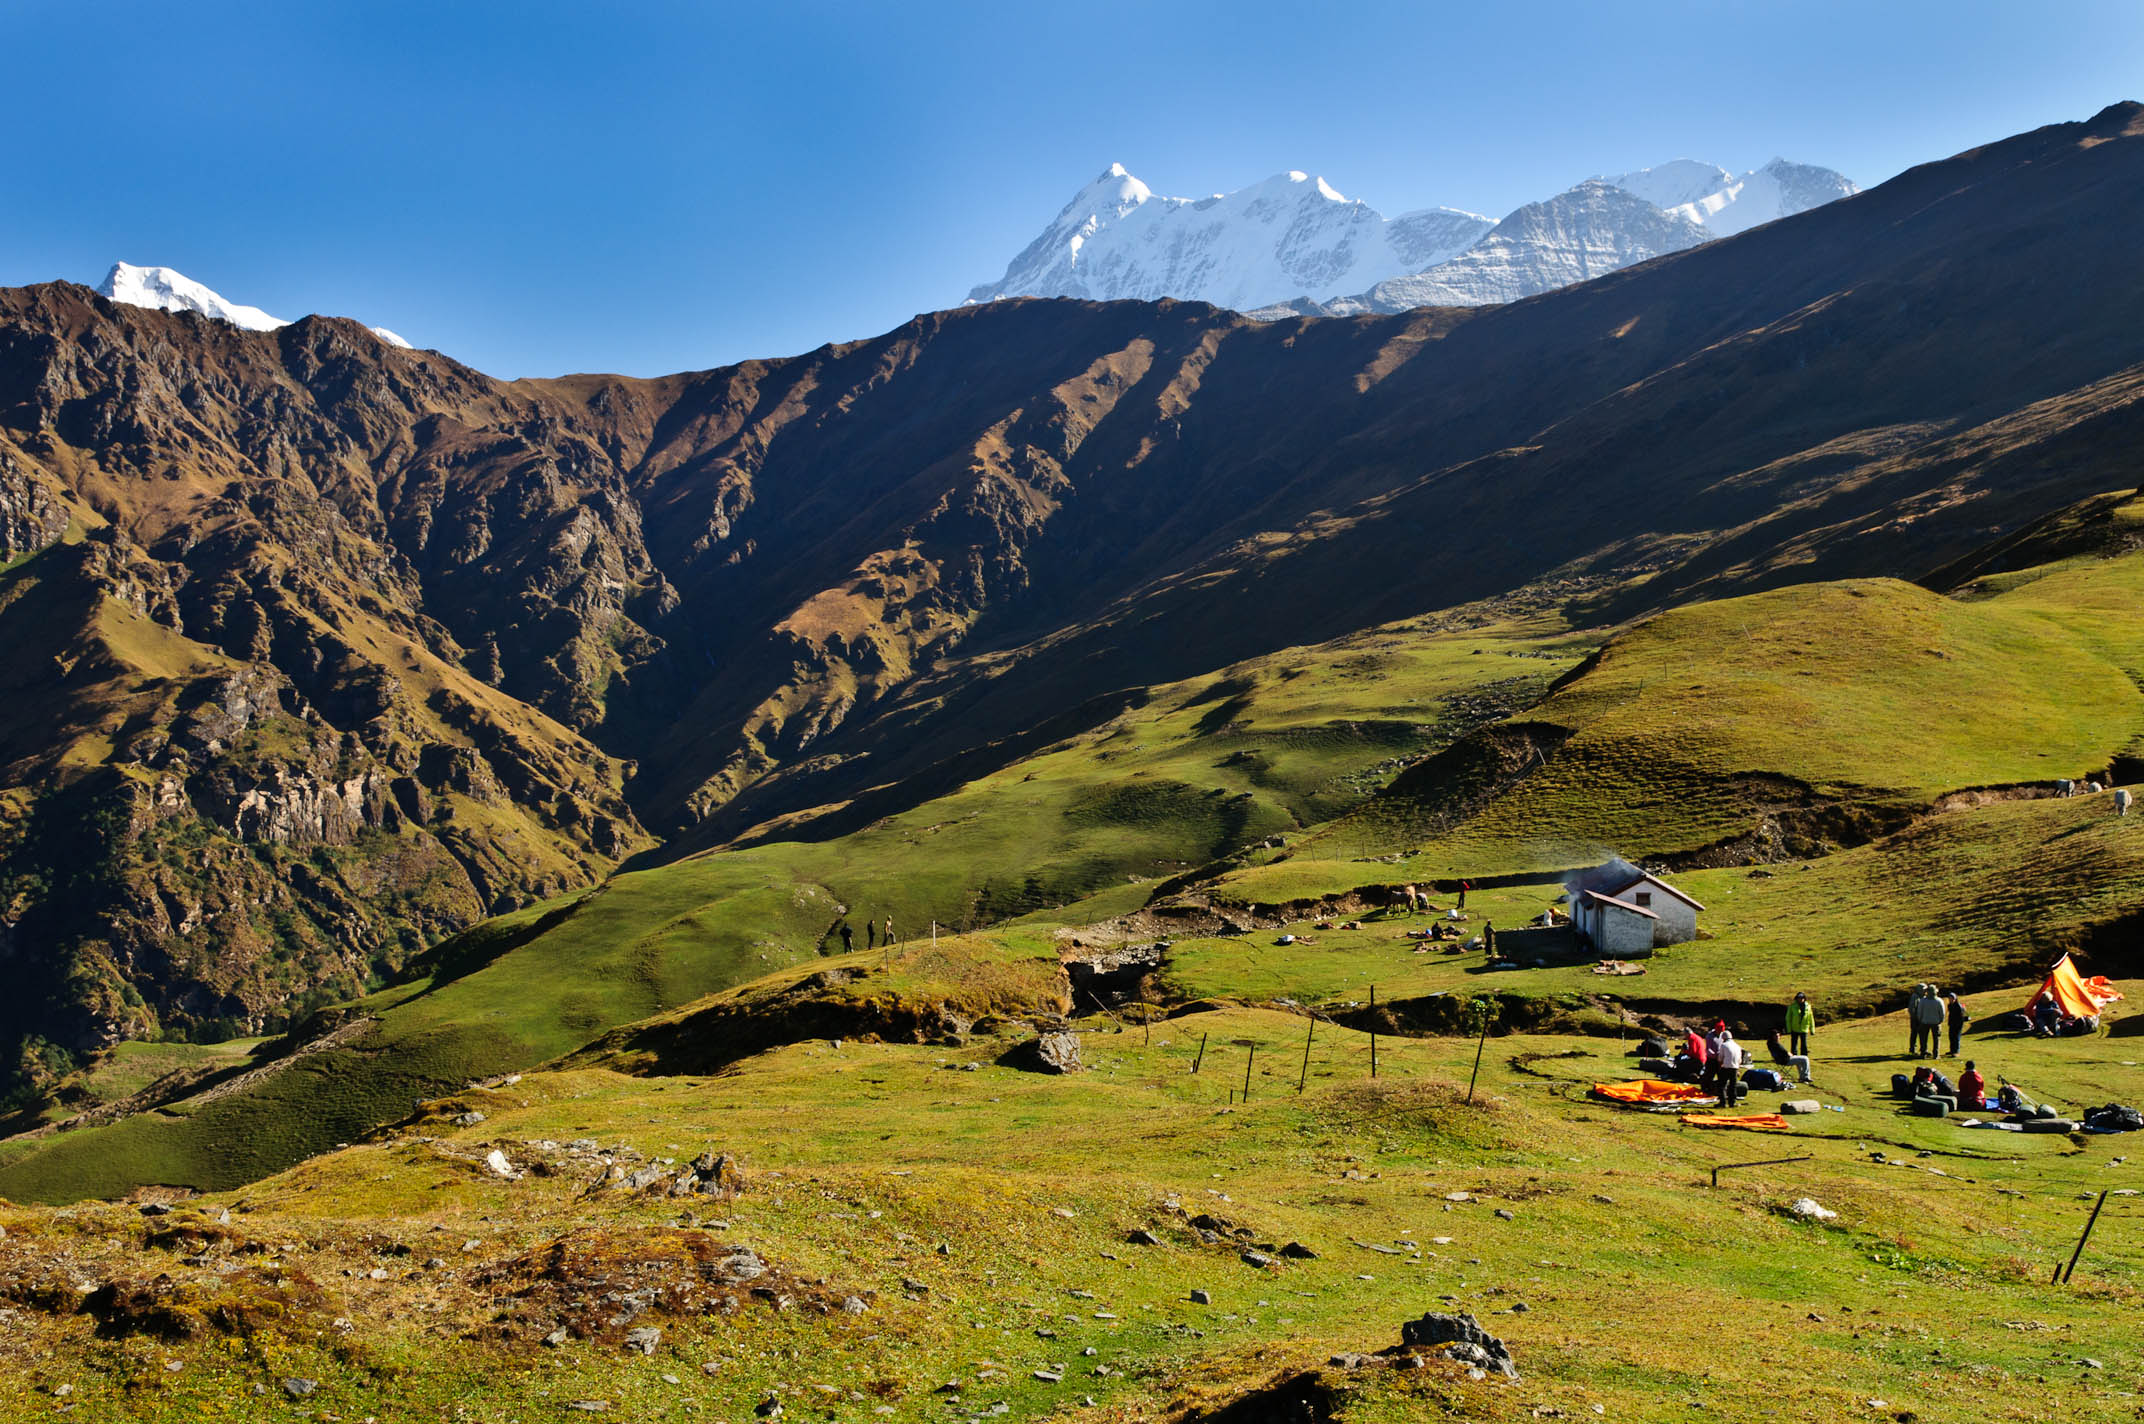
pixel 1957 1017
pixel 1914 1021
pixel 889 931
pixel 1801 1022
pixel 848 937
pixel 1464 886
pixel 1488 938
pixel 870 933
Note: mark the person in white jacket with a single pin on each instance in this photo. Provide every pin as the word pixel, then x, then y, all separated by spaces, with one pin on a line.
pixel 1725 1056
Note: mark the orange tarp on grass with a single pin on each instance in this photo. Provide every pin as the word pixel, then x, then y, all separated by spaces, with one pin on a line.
pixel 1756 1122
pixel 1650 1092
pixel 2074 994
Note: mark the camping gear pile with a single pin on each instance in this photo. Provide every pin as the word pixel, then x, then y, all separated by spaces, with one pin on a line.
pixel 1929 1093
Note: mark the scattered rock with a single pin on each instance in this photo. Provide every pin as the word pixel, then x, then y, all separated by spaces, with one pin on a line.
pixel 1054 1052
pixel 556 1338
pixel 1808 1209
pixel 590 1406
pixel 1297 1251
pixel 1799 1106
pixel 1142 1237
pixel 500 1167
pixel 1504 1215
pixel 1259 1259
pixel 1463 1339
pixel 644 1340
pixel 469 1119
pixel 1201 1297
pixel 853 1305
pixel 299 1388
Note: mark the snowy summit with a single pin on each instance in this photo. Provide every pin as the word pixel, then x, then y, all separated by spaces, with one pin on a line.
pixel 162 289
pixel 1292 235
pixel 1292 244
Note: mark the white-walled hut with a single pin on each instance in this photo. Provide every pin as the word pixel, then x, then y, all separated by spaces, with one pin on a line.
pixel 1620 909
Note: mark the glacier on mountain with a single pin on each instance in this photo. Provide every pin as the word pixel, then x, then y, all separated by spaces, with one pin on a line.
pixel 1292 245
pixel 162 289
pixel 1287 236
pixel 1592 230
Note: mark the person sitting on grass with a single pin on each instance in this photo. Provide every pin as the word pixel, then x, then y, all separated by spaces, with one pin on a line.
pixel 2046 1016
pixel 1799 1062
pixel 1972 1088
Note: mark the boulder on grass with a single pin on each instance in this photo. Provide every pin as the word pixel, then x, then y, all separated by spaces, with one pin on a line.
pixel 1463 1340
pixel 1056 1051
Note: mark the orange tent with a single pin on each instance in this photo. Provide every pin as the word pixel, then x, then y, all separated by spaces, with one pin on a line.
pixel 1650 1092
pixel 2074 994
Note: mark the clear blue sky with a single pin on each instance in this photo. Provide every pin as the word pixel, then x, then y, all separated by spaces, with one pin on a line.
pixel 538 188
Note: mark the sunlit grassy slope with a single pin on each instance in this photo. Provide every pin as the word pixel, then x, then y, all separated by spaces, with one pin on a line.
pixel 1990 894
pixel 980 1220
pixel 1199 770
pixel 1817 701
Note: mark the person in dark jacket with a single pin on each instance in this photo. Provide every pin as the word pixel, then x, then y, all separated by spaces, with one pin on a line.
pixel 1799 1062
pixel 1954 1013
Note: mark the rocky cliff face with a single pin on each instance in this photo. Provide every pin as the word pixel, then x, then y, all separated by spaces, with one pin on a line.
pixel 317 647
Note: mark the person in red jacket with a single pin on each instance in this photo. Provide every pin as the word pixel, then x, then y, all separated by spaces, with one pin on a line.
pixel 1972 1088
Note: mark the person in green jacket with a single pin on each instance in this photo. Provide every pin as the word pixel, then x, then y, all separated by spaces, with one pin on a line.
pixel 1801 1022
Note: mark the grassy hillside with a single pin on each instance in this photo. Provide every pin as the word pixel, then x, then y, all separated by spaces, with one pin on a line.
pixel 979 1220
pixel 1198 771
pixel 1784 722
pixel 1987 895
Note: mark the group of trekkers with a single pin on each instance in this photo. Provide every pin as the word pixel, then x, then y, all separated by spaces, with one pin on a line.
pixel 1928 1010
pixel 1712 1059
pixel 871 934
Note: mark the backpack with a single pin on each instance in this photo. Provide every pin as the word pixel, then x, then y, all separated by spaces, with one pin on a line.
pixel 2115 1118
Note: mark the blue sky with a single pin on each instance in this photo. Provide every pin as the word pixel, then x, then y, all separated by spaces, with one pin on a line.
pixel 538 188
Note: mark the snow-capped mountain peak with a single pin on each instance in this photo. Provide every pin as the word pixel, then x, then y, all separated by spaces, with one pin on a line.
pixel 1671 184
pixel 1779 189
pixel 163 289
pixel 1293 243
pixel 1290 234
